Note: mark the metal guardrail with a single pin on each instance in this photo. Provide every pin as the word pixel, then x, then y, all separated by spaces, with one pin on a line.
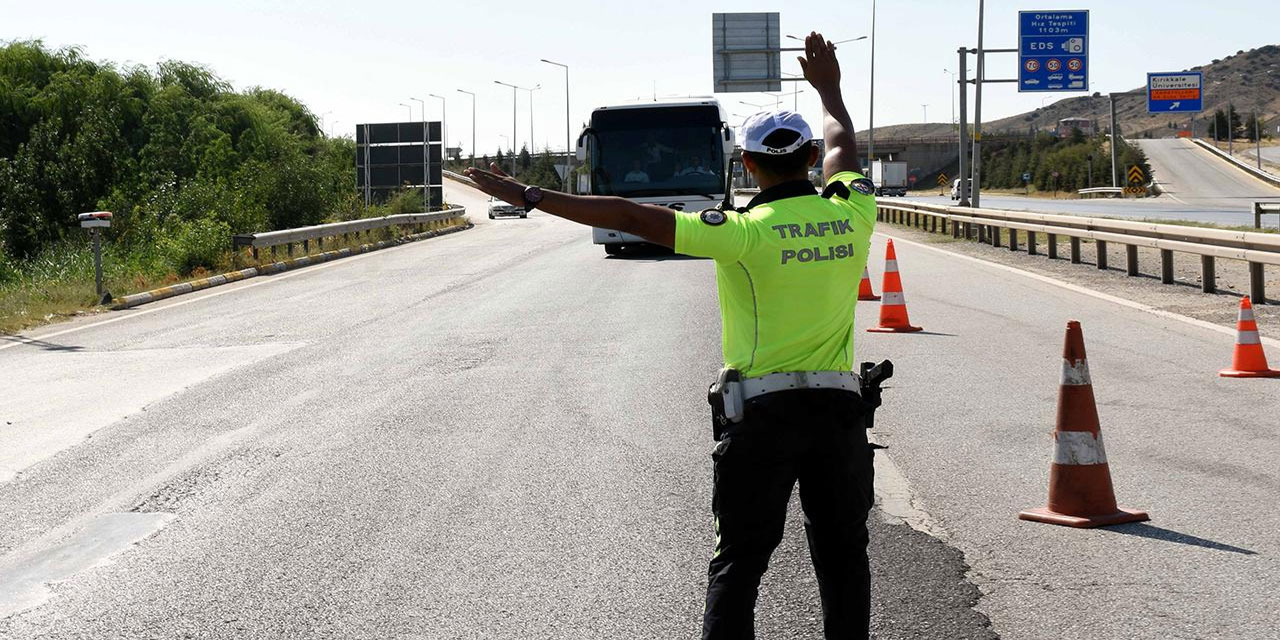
pixel 1257 249
pixel 1099 191
pixel 1264 176
pixel 318 233
pixel 1260 208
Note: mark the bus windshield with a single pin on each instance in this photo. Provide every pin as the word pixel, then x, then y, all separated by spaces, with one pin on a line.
pixel 658 151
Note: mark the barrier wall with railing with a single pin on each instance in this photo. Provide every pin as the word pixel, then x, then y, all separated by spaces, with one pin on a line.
pixel 1256 249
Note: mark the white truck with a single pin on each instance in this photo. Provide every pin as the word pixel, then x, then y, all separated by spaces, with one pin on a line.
pixel 889 177
pixel 670 152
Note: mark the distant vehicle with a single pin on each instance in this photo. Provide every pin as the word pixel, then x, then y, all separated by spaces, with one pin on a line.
pixel 889 177
pixel 499 208
pixel 670 152
pixel 955 187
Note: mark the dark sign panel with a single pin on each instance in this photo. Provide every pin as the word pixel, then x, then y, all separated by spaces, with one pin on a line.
pixel 391 156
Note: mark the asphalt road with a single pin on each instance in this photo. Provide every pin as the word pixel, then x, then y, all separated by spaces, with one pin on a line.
pixel 1198 186
pixel 498 434
pixel 502 434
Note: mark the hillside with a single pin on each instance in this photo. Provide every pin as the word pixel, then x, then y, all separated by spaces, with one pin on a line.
pixel 1248 79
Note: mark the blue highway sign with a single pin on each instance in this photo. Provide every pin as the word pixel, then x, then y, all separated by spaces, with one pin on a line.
pixel 1175 92
pixel 1053 50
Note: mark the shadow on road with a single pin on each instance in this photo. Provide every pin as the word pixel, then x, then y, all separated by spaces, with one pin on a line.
pixel 649 254
pixel 1144 530
pixel 47 346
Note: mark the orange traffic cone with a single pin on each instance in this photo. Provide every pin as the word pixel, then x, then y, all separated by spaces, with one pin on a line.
pixel 893 308
pixel 1080 492
pixel 864 287
pixel 1248 361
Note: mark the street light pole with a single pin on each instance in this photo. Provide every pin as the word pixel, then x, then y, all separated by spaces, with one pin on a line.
pixel 953 94
pixel 444 126
pixel 473 125
pixel 409 108
pixel 980 74
pixel 531 142
pixel 569 155
pixel 426 155
pixel 925 107
pixel 514 89
pixel 871 109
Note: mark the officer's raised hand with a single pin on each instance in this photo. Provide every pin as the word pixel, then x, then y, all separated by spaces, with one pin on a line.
pixel 821 68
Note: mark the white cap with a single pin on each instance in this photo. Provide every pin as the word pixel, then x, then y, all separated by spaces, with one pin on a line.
pixel 758 127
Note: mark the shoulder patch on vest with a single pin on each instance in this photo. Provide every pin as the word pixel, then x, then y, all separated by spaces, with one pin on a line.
pixel 836 189
pixel 713 217
pixel 864 186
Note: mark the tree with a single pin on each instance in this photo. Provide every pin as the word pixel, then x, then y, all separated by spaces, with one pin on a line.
pixel 1253 127
pixel 523 160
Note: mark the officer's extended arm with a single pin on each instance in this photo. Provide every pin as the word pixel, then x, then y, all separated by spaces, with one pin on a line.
pixel 822 70
pixel 651 222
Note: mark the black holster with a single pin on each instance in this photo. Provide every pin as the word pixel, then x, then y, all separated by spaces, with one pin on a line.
pixel 719 393
pixel 872 376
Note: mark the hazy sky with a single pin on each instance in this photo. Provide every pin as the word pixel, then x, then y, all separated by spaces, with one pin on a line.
pixel 355 61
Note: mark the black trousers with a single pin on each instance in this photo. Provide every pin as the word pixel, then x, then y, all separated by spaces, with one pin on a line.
pixel 815 437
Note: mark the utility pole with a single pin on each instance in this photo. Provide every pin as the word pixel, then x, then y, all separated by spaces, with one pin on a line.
pixel 568 147
pixel 962 173
pixel 871 109
pixel 981 75
pixel 1231 129
pixel 473 125
pixel 1257 140
pixel 925 108
pixel 1115 141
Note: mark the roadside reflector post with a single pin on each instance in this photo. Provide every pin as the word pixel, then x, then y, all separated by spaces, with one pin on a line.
pixel 1131 259
pixel 1257 283
pixel 94 221
pixel 1166 266
pixel 1208 279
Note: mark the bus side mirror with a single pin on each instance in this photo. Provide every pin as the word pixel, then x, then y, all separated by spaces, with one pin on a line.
pixel 581 151
pixel 729 142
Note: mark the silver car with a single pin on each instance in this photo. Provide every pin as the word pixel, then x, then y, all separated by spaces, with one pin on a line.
pixel 500 208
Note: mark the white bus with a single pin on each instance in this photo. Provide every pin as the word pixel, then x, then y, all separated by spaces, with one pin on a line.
pixel 671 152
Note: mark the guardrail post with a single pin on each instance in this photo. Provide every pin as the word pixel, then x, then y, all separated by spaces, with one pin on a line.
pixel 994 234
pixel 306 247
pixel 1257 283
pixel 1075 250
pixel 1166 266
pixel 982 233
pixel 1052 243
pixel 1031 243
pixel 1102 253
pixel 1131 259
pixel 289 249
pixel 955 229
pixel 1208 279
pixel 1013 239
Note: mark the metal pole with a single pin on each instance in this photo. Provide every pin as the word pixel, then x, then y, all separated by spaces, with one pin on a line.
pixel 568 151
pixel 473 125
pixel 514 100
pixel 925 107
pixel 1231 130
pixel 1115 141
pixel 962 173
pixel 980 75
pixel 97 265
pixel 426 197
pixel 871 108
pixel 1257 140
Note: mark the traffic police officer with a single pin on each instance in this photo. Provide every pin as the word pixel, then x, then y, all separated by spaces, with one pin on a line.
pixel 786 408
